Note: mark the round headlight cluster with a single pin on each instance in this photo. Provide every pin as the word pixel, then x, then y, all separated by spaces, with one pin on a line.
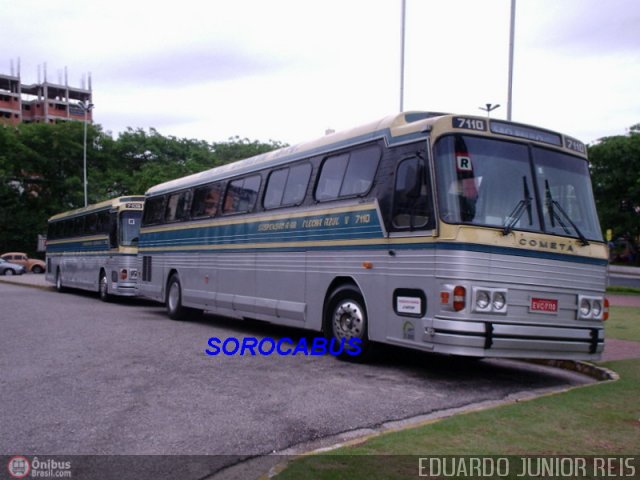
pixel 597 308
pixel 585 307
pixel 499 301
pixel 482 300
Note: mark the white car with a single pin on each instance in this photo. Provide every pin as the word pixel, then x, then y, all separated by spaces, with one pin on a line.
pixel 7 268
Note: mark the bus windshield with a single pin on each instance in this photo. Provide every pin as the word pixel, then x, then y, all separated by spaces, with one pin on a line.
pixel 497 183
pixel 129 228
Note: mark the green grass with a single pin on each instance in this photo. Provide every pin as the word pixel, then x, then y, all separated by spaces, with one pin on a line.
pixel 624 290
pixel 623 323
pixel 599 419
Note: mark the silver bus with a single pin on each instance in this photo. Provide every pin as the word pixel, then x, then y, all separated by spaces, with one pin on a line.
pixel 95 248
pixel 443 233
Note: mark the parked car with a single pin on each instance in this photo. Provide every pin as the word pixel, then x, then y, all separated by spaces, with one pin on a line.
pixel 30 264
pixel 8 268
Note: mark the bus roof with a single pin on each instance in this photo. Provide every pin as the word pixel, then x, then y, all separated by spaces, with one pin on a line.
pixel 112 202
pixel 394 129
pixel 390 127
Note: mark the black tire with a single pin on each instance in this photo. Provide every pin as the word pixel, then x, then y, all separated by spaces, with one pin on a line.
pixel 346 318
pixel 10 272
pixel 103 287
pixel 37 269
pixel 173 302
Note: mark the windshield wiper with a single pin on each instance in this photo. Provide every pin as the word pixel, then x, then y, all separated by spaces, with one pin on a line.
pixel 524 204
pixel 554 207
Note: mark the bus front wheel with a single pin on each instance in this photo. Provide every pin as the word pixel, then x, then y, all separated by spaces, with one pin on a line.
pixel 346 319
pixel 103 287
pixel 59 287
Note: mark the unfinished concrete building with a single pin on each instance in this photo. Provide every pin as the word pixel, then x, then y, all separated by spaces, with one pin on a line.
pixel 42 102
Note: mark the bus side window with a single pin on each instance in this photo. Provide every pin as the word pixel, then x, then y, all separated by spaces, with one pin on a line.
pixel 177 206
pixel 411 202
pixel 331 177
pixel 358 178
pixel 206 200
pixel 153 211
pixel 348 174
pixel 287 186
pixel 241 195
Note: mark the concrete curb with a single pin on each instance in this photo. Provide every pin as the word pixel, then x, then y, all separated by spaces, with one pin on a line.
pixel 598 372
pixel 16 281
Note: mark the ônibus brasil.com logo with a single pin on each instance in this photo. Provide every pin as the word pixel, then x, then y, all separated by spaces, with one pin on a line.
pixel 20 467
pixel 251 346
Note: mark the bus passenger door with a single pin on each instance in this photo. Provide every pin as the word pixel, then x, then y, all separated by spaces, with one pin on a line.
pixel 411 262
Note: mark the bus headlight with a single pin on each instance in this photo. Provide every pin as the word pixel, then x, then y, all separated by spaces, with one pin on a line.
pixel 482 300
pixel 585 307
pixel 597 308
pixel 499 301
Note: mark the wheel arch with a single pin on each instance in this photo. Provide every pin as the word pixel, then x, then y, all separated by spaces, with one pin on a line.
pixel 172 271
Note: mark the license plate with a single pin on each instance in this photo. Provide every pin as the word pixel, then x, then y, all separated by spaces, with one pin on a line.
pixel 543 305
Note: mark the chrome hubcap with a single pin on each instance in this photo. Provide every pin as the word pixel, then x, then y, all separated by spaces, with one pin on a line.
pixel 348 320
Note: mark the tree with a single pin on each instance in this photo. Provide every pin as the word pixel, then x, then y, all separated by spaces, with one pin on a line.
pixel 615 170
pixel 41 170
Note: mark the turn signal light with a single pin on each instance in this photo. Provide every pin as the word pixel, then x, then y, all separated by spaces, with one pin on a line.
pixel 459 294
pixel 605 313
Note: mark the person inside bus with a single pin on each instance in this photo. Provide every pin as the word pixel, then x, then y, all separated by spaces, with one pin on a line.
pixel 211 202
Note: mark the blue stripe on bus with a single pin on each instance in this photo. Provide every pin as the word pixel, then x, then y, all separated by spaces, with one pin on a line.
pixel 340 226
pixel 79 246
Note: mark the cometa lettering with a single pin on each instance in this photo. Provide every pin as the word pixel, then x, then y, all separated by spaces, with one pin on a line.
pixel 544 244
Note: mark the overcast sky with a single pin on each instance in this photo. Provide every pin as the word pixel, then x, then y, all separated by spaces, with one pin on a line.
pixel 289 69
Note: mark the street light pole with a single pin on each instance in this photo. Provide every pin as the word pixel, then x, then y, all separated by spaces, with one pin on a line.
pixel 86 108
pixel 511 47
pixel 489 108
pixel 402 35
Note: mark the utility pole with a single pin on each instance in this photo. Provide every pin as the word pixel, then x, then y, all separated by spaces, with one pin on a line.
pixel 402 35
pixel 511 47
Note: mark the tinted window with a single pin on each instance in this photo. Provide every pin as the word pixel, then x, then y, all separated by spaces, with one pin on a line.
pixel 177 206
pixel 287 186
pixel 348 174
pixel 153 210
pixel 331 177
pixel 241 195
pixel 206 200
pixel 411 202
pixel 275 188
pixel 362 167
pixel 297 184
pixel 103 222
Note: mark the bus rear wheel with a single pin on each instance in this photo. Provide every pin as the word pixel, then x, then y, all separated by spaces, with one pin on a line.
pixel 175 309
pixel 346 319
